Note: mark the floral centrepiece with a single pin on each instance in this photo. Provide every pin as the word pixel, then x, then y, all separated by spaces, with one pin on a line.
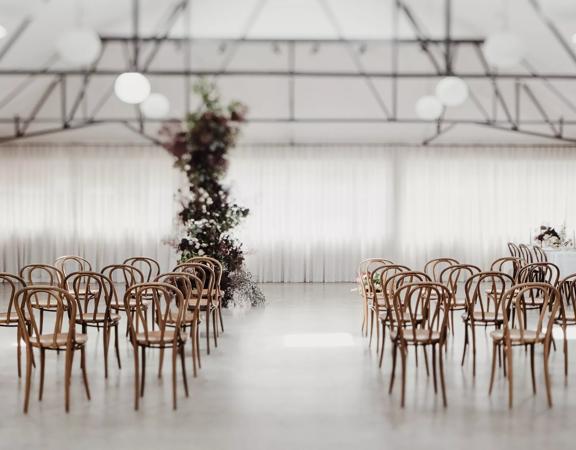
pixel 549 237
pixel 208 215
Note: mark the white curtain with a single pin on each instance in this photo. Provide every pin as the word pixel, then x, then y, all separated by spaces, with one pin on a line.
pixel 318 210
pixel 315 210
pixel 106 203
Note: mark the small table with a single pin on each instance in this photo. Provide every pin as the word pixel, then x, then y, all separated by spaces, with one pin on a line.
pixel 564 258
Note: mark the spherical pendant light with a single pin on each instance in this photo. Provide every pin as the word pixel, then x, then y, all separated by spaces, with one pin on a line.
pixel 452 91
pixel 79 47
pixel 429 108
pixel 156 106
pixel 132 87
pixel 3 31
pixel 503 49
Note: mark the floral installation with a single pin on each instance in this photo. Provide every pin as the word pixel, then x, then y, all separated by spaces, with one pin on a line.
pixel 549 237
pixel 208 215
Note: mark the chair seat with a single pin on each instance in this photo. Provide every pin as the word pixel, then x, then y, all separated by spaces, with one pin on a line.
pixel 187 319
pixel 529 337
pixel 405 317
pixel 203 304
pixel 131 303
pixel 43 304
pixel 4 320
pixel 47 340
pixel 418 336
pixel 488 317
pixel 98 317
pixel 156 338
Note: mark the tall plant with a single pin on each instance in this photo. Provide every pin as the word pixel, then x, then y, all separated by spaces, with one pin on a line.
pixel 208 214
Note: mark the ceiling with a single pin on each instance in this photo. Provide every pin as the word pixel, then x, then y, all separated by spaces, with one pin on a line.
pixel 350 102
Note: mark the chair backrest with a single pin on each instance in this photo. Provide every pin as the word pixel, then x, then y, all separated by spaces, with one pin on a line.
pixel 366 266
pixel 434 267
pixel 483 294
pixel 191 285
pixel 507 264
pixel 65 317
pixel 217 267
pixel 205 272
pixel 526 254
pixel 15 283
pixel 44 274
pixel 421 309
pixel 70 263
pixel 399 279
pixel 514 250
pixel 516 298
pixel 148 266
pixel 380 275
pixel 126 276
pixel 94 292
pixel 455 276
pixel 539 272
pixel 169 306
pixel 567 290
pixel 539 254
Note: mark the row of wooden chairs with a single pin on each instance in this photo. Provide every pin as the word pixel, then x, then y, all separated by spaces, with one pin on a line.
pixel 499 297
pixel 81 297
pixel 528 254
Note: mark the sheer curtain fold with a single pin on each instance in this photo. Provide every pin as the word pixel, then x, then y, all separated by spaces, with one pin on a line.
pixel 105 203
pixel 316 210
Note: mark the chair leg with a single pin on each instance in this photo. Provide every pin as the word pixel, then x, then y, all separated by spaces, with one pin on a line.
pixel 41 320
pixel 425 351
pixel 465 342
pixel 532 369
pixel 161 364
pixel 547 375
pixel 434 367
pixel 28 377
pixel 371 327
pixel 84 371
pixel 219 309
pixel 136 377
pixel 393 374
pixel 106 343
pixel 214 328
pixel 495 349
pixel 197 340
pixel 508 353
pixel 442 382
pixel 403 351
pixel 183 362
pixel 565 354
pixel 193 341
pixel 116 346
pixel 452 321
pixel 42 369
pixel 383 343
pixel 473 332
pixel 19 351
pixel 68 376
pixel 174 351
pixel 208 329
pixel 143 378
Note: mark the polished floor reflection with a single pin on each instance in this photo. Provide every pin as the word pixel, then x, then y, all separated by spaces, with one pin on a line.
pixel 293 375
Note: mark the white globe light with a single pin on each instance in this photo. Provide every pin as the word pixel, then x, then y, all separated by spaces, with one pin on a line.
pixel 452 91
pixel 132 87
pixel 156 106
pixel 429 108
pixel 503 49
pixel 3 32
pixel 79 47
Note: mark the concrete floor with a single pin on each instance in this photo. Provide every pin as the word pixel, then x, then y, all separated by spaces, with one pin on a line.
pixel 261 389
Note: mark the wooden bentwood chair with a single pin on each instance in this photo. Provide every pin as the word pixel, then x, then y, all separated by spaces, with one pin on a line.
pixel 453 277
pixel 517 334
pixel 94 294
pixel 421 311
pixel 484 293
pixel 61 337
pixel 170 306
pixel 191 287
pixel 9 319
pixel 363 277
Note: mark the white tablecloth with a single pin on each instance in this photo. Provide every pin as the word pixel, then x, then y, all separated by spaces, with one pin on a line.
pixel 565 259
